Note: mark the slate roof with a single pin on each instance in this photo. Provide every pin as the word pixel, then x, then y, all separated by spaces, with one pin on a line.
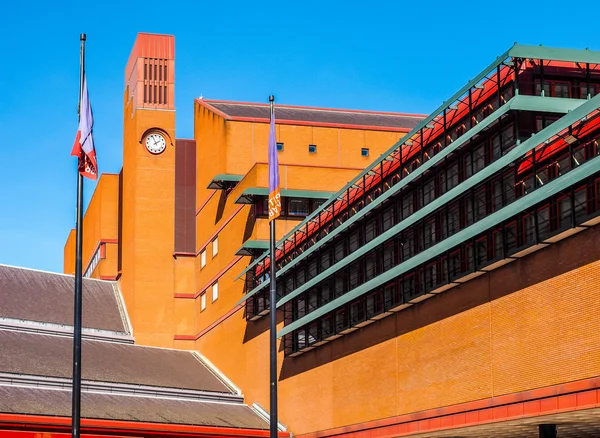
pixel 57 402
pixel 311 115
pixel 51 356
pixel 47 297
pixel 120 380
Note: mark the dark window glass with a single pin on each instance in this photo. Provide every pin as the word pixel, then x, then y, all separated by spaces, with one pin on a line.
pixel 388 218
pixel 370 230
pixel 298 207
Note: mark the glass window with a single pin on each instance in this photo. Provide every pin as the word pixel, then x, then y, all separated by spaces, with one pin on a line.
pixel 312 148
pixel 325 260
pixel 388 218
pixel 354 275
pixel 215 246
pixel 478 159
pixel 215 292
pixel 364 152
pixel 453 218
pixel 316 203
pixel 203 259
pixel 407 205
pixel 429 191
pixel 354 241
pixel 452 176
pixel 203 302
pixel 340 250
pixel 279 147
pixel 389 255
pixel 429 235
pixel 370 266
pixel 584 91
pixel 298 207
pixel 370 230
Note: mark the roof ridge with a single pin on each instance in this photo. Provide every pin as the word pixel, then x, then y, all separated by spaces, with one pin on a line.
pixel 54 273
pixel 63 330
pixel 121 389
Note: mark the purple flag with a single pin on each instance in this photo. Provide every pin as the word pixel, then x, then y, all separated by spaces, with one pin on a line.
pixel 274 196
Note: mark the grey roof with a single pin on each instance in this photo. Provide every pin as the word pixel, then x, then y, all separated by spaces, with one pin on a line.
pixel 283 113
pixel 51 356
pixel 37 401
pixel 47 297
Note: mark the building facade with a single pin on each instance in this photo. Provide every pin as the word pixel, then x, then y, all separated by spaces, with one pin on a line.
pixel 436 275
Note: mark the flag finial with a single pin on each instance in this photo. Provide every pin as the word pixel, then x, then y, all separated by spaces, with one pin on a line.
pixel 271 98
pixel 82 37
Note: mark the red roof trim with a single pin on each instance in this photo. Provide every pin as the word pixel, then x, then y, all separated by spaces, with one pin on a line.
pixel 205 202
pixel 29 422
pixel 210 327
pixel 532 403
pixel 223 225
pixel 211 281
pixel 315 108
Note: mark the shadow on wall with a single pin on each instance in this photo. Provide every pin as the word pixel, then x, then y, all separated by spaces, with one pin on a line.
pixel 221 206
pixel 549 262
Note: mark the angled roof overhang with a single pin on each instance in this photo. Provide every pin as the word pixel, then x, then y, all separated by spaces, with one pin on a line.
pixel 224 181
pixel 252 248
pixel 250 195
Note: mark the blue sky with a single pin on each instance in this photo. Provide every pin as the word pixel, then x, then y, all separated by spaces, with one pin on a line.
pixel 379 55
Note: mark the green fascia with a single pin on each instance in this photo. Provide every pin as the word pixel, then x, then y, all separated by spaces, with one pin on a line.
pixel 554 54
pixel 516 103
pixel 225 177
pixel 285 193
pixel 516 51
pixel 585 170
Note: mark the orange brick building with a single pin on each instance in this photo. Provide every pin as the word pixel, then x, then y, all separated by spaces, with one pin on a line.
pixel 436 276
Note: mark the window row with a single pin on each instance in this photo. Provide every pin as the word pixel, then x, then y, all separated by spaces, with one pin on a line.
pixel 571 208
pixel 472 159
pixel 215 250
pixel 290 207
pixel 494 193
pixel 215 295
pixel 578 77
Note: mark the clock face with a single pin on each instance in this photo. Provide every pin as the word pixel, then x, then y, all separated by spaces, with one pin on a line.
pixel 155 143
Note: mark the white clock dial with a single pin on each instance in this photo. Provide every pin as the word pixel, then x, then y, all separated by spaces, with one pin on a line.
pixel 155 143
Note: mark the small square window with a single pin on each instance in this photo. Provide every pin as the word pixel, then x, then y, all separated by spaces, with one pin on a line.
pixel 279 147
pixel 203 259
pixel 312 148
pixel 215 246
pixel 215 292
pixel 364 152
pixel 203 302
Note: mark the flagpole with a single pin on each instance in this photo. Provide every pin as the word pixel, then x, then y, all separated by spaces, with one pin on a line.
pixel 273 320
pixel 76 406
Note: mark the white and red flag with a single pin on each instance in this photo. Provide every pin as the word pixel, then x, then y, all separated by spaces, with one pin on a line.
pixel 84 142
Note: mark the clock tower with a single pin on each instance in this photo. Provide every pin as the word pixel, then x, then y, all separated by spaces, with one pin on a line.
pixel 147 203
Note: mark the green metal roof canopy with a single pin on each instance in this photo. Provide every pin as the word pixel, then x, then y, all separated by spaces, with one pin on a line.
pixel 224 180
pixel 248 195
pixel 252 247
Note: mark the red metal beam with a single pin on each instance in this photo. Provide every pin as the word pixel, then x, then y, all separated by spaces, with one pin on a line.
pixel 572 396
pixel 62 425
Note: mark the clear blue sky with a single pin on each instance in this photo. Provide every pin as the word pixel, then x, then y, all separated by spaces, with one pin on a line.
pixel 378 55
